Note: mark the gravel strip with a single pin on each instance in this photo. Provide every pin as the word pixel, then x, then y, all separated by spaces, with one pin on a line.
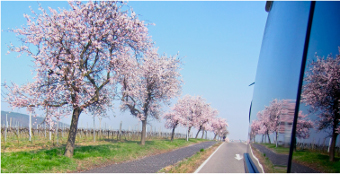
pixel 153 164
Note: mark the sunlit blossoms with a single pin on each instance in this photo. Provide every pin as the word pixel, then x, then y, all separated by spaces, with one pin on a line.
pixel 151 81
pixel 219 127
pixel 193 111
pixel 79 56
pixel 172 120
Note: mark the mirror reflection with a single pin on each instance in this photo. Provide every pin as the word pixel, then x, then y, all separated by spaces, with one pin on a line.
pixel 320 95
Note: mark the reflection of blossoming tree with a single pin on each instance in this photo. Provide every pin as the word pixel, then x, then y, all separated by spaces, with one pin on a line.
pixel 265 126
pixel 322 93
pixel 254 129
pixel 303 125
pixel 271 120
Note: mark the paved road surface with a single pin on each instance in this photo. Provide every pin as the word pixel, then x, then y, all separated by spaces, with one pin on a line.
pixel 223 159
pixel 154 163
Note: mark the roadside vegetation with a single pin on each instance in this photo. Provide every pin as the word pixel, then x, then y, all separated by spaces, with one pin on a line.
pixel 86 156
pixel 279 149
pixel 313 159
pixel 317 161
pixel 190 164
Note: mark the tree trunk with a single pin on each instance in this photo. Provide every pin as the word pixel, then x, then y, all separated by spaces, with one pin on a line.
pixel 268 138
pixel 277 135
pixel 189 129
pixel 198 132
pixel 73 132
pixel 335 125
pixel 142 141
pixel 215 136
pixel 333 141
pixel 173 132
pixel 202 134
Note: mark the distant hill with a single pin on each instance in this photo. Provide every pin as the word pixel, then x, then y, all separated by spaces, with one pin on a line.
pixel 23 120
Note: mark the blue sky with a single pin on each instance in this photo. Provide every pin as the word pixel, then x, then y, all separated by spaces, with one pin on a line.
pixel 219 43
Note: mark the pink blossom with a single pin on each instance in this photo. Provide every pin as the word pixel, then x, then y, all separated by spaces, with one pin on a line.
pixel 77 69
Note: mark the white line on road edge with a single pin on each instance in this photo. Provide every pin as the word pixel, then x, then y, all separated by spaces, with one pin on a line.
pixel 197 170
pixel 256 159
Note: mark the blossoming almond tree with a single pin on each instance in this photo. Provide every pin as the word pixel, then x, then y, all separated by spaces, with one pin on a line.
pixel 196 112
pixel 205 114
pixel 155 80
pixel 178 114
pixel 173 119
pixel 193 111
pixel 80 54
pixel 219 126
pixel 321 92
pixel 184 110
pixel 186 107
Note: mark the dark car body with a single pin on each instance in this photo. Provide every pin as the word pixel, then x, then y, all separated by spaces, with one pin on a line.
pixel 296 34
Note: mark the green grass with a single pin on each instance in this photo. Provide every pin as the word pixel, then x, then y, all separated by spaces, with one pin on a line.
pixel 182 167
pixel 33 162
pixel 40 141
pixel 274 168
pixel 317 161
pixel 52 160
pixel 280 150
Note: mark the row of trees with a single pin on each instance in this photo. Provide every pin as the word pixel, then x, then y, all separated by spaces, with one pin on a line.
pixel 88 56
pixel 274 118
pixel 193 111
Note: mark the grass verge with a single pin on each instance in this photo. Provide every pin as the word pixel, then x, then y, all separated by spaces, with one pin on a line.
pixel 317 161
pixel 279 150
pixel 189 165
pixel 86 156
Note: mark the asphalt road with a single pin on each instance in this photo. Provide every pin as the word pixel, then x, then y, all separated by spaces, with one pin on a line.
pixel 152 164
pixel 225 159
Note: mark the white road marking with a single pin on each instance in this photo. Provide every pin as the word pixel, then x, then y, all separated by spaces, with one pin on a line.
pixel 238 157
pixel 258 162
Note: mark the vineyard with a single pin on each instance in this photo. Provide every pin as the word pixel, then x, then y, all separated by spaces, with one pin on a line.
pixel 17 138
